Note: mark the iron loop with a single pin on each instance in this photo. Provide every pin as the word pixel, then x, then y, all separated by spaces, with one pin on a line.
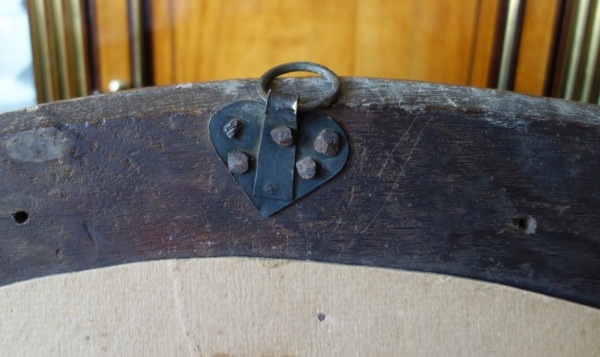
pixel 325 72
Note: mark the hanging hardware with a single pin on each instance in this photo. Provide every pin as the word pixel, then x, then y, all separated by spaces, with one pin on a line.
pixel 280 150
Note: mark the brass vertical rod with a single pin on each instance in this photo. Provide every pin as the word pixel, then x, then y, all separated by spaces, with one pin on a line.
pixel 136 43
pixel 78 44
pixel 576 48
pixel 509 45
pixel 45 75
pixel 592 57
pixel 58 27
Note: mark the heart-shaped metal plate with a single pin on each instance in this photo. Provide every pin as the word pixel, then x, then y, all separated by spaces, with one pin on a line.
pixel 247 136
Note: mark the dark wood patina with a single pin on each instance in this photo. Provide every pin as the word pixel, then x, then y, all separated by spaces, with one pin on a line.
pixel 476 183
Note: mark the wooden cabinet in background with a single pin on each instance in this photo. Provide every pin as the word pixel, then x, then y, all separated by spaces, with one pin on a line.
pixel 200 40
pixel 445 41
pixel 462 42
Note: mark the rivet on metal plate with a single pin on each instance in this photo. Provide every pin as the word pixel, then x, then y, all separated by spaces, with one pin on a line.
pixel 280 150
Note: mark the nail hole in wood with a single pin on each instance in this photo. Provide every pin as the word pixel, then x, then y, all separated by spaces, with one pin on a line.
pixel 20 217
pixel 527 224
pixel 321 317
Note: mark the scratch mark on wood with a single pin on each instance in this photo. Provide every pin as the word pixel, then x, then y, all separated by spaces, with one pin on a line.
pixel 396 146
pixel 361 164
pixel 561 209
pixel 90 233
pixel 450 101
pixel 351 196
pixel 394 186
pixel 336 228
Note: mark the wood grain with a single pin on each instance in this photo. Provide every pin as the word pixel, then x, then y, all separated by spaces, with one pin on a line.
pixel 536 42
pixel 443 36
pixel 235 38
pixel 384 38
pixel 114 60
pixel 417 40
pixel 487 15
pixel 162 35
pixel 439 179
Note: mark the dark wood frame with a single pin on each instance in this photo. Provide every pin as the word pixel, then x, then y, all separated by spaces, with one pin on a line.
pixel 441 179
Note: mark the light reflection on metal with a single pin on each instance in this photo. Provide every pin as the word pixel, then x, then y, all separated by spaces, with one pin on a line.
pixel 137 45
pixel 509 45
pixel 60 49
pixel 41 50
pixel 592 57
pixel 576 47
pixel 116 85
pixel 77 40
pixel 60 61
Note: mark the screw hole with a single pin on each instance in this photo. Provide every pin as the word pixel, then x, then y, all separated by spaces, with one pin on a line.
pixel 526 223
pixel 20 217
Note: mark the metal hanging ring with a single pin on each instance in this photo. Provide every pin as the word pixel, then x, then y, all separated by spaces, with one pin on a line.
pixel 326 73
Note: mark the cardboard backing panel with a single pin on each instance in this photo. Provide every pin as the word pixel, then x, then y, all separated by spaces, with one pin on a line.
pixel 255 307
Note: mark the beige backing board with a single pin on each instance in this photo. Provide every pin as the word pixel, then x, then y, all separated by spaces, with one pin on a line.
pixel 253 307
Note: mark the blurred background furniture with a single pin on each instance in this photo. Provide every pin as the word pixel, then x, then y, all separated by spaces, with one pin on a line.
pixel 539 47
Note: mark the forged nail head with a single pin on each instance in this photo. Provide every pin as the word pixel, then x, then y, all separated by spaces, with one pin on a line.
pixel 307 168
pixel 237 162
pixel 327 143
pixel 282 136
pixel 232 127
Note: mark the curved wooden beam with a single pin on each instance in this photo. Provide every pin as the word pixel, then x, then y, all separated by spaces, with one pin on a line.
pixel 455 180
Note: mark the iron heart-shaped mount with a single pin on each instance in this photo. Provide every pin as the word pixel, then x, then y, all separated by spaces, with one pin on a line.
pixel 281 151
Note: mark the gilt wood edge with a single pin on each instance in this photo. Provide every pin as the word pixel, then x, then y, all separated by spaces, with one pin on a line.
pixel 437 180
